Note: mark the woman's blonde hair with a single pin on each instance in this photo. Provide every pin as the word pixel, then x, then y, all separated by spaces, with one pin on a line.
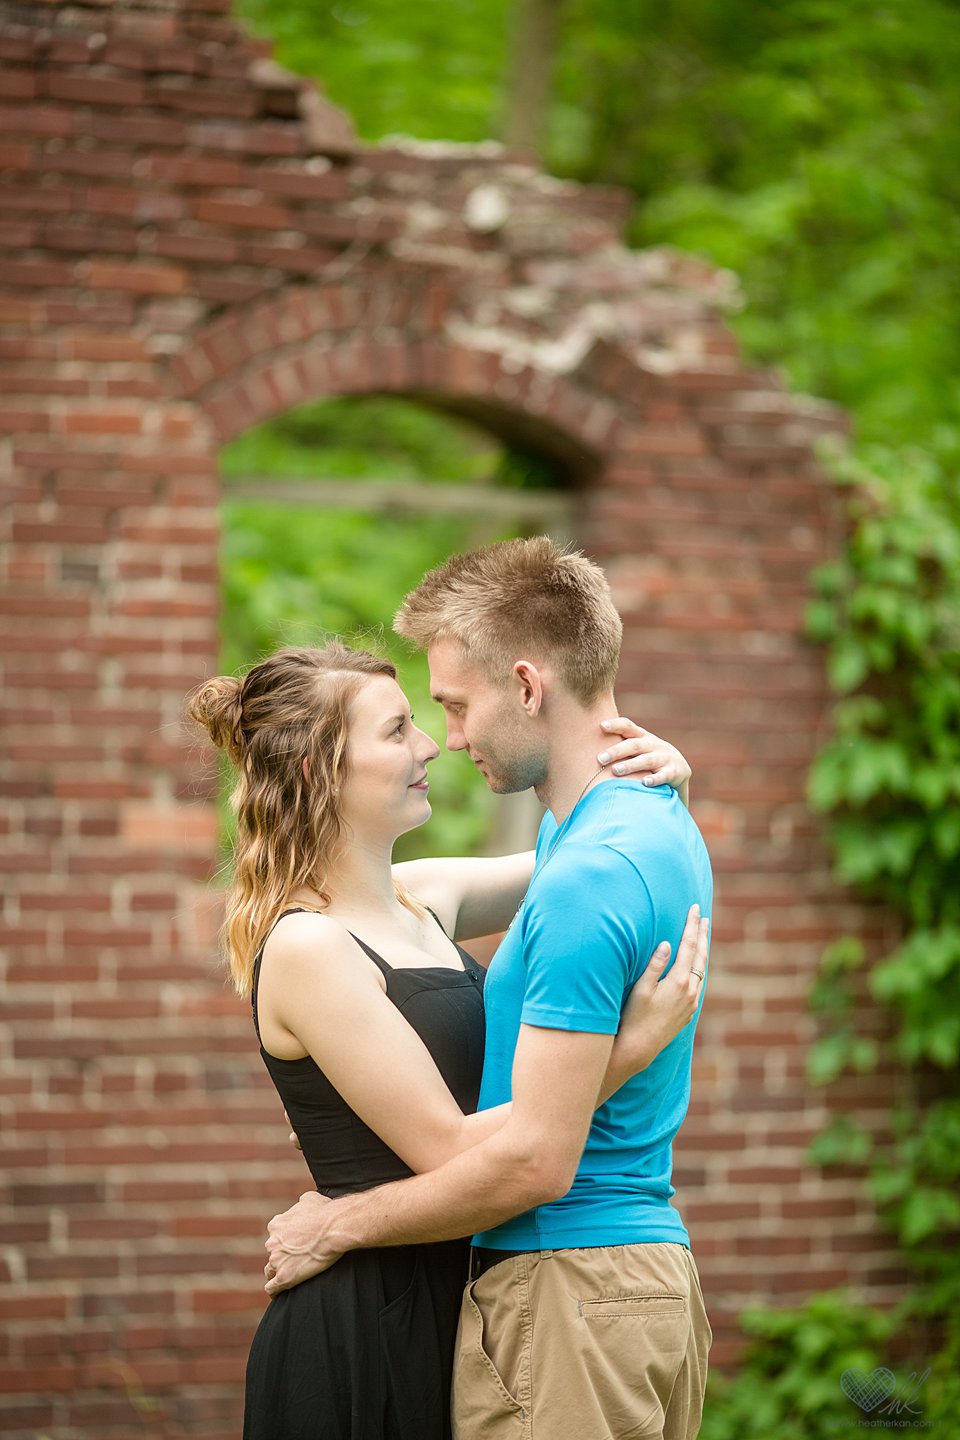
pixel 289 708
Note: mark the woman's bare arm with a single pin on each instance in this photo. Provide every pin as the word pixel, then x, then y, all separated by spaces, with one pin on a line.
pixel 320 995
pixel 430 1128
pixel 471 896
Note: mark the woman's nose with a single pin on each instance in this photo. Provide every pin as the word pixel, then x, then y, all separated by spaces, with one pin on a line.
pixel 429 747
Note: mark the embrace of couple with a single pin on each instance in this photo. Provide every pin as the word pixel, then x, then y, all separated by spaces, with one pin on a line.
pixel 491 1250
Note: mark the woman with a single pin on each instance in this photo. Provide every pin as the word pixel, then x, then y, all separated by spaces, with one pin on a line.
pixel 370 1019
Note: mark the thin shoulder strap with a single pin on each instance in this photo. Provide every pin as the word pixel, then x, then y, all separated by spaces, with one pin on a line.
pixel 438 920
pixel 470 964
pixel 378 960
pixel 293 910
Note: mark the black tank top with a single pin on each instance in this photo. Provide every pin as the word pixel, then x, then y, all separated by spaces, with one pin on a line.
pixel 445 1007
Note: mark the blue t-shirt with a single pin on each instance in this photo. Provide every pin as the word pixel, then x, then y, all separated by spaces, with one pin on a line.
pixel 621 877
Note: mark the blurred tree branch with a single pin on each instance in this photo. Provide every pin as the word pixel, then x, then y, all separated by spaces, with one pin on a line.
pixel 536 25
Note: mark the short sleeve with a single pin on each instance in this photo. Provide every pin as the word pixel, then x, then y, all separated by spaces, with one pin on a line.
pixel 587 936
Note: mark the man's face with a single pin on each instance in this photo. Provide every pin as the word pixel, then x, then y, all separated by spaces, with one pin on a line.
pixel 487 720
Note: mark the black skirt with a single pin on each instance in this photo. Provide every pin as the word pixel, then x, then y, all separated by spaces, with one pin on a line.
pixel 362 1352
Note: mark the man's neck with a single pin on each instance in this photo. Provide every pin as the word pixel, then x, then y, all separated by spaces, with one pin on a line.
pixel 575 741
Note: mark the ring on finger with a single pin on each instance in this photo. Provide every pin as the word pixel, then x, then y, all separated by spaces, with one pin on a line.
pixel 698 973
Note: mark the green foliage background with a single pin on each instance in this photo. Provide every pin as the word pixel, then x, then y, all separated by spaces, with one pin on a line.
pixel 889 781
pixel 810 145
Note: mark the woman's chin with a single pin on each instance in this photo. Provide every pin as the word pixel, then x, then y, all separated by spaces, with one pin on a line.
pixel 414 823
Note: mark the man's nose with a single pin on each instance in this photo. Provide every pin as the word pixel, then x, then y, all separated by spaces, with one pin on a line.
pixel 455 736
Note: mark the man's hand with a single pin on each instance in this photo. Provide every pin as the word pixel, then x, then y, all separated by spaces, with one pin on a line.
pixel 640 752
pixel 295 1243
pixel 658 1009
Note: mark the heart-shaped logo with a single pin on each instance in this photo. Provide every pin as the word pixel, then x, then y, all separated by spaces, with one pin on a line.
pixel 868 1391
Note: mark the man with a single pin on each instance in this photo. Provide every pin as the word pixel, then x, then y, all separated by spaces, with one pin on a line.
pixel 585 1316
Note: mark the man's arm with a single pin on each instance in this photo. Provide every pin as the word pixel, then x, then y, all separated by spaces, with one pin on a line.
pixel 531 1160
pixel 657 1009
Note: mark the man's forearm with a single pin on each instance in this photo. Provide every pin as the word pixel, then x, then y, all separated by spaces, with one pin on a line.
pixel 530 1161
pixel 474 1191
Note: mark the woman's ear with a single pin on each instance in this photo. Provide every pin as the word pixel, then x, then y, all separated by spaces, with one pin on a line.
pixel 306 769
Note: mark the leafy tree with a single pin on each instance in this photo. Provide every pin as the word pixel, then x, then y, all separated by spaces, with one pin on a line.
pixel 432 69
pixel 890 781
pixel 808 145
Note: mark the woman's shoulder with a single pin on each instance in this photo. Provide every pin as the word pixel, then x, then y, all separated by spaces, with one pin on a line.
pixel 309 954
pixel 305 934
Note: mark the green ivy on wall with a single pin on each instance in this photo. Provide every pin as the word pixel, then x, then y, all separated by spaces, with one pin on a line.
pixel 889 783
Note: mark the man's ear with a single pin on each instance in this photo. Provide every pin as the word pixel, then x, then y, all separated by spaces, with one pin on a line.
pixel 530 682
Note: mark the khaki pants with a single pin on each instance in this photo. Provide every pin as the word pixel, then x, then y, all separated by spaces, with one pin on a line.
pixel 606 1343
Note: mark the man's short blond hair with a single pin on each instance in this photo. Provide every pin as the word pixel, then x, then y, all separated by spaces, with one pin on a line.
pixel 521 599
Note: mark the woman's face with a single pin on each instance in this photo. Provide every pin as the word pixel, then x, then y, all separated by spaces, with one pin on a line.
pixel 385 792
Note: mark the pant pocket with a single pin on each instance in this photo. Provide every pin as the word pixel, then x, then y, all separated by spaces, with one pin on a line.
pixel 635 1347
pixel 483 1406
pixel 621 1307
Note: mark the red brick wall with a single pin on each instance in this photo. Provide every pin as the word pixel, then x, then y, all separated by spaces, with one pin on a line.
pixel 192 241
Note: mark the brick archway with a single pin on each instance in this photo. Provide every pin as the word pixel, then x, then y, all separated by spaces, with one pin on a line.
pixel 195 241
pixel 261 360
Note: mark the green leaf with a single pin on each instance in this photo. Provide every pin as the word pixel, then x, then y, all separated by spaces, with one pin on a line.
pixel 829 1056
pixel 849 665
pixel 926 1211
pixel 843 1142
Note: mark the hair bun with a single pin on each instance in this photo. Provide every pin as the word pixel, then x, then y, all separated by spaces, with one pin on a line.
pixel 216 705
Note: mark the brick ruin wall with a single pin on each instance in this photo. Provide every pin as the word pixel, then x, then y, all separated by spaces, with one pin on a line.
pixel 192 241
